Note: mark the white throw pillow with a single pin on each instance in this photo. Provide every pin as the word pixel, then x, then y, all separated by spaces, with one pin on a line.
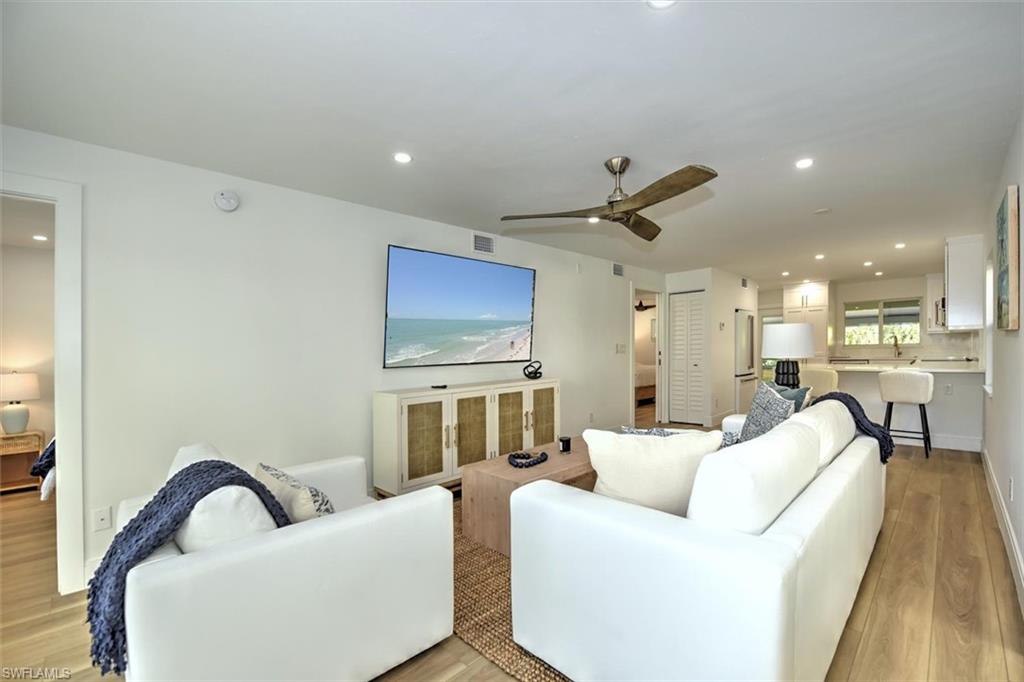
pixel 652 471
pixel 746 486
pixel 302 502
pixel 227 513
pixel 834 424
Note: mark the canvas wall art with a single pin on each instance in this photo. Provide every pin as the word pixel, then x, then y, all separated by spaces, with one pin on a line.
pixel 1008 261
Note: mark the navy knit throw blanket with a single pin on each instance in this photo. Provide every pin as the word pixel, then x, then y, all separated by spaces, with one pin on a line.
pixel 864 425
pixel 153 526
pixel 47 460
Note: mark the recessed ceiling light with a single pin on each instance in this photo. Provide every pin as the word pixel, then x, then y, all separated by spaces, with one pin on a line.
pixel 901 245
pixel 786 274
pixel 879 273
pixel 660 4
pixel 807 281
pixel 593 219
pixel 804 164
pixel 39 237
pixel 868 264
pixel 402 157
pixel 820 256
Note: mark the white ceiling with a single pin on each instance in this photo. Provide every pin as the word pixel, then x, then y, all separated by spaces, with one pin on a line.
pixel 21 219
pixel 907 109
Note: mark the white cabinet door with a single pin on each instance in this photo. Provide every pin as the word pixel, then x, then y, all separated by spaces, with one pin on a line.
pixel 815 295
pixel 426 439
pixel 818 319
pixel 965 283
pixel 794 316
pixel 935 311
pixel 688 380
pixel 792 297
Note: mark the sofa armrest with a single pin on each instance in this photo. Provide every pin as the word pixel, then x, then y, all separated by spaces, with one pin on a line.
pixel 342 479
pixel 603 589
pixel 344 596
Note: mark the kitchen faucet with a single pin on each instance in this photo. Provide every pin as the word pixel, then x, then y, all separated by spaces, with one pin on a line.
pixel 896 346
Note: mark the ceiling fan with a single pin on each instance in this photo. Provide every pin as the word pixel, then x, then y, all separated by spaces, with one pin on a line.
pixel 641 306
pixel 622 208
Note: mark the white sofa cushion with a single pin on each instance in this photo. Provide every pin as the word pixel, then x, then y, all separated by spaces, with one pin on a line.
pixel 745 487
pixel 227 513
pixel 834 425
pixel 652 471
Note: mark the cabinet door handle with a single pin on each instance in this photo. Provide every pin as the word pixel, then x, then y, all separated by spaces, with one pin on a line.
pixel 447 437
pixel 533 419
pixel 455 438
pixel 526 421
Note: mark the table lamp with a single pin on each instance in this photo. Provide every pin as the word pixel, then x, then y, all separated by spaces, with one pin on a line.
pixel 787 343
pixel 14 388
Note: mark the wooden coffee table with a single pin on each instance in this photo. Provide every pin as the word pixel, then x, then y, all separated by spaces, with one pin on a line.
pixel 487 485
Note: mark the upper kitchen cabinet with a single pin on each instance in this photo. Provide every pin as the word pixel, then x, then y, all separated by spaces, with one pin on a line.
pixel 810 295
pixel 935 303
pixel 965 283
pixel 808 303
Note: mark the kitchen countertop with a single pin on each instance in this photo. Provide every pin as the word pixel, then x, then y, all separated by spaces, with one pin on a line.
pixel 879 365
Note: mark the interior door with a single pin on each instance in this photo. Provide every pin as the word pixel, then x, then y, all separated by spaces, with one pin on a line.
pixel 688 382
pixel 513 419
pixel 426 439
pixel 472 433
pixel 542 424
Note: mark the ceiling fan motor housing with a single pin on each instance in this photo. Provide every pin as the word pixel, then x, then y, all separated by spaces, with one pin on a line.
pixel 617 165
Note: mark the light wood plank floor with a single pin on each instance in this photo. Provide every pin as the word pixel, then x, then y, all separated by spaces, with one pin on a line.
pixel 937 603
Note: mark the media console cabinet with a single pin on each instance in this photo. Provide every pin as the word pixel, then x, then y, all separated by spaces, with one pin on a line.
pixel 424 436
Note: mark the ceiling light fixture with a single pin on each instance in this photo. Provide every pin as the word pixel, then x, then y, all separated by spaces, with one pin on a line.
pixel 593 219
pixel 39 237
pixel 786 274
pixel 879 273
pixel 660 4
pixel 820 256
pixel 901 245
pixel 804 164
pixel 868 264
pixel 402 157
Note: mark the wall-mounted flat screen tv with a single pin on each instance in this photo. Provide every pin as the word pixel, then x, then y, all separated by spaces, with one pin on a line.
pixel 450 310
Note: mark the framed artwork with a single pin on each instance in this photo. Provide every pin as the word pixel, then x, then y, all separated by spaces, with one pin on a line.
pixel 1008 261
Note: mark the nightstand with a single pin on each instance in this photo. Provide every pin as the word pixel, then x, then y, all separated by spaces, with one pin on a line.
pixel 18 451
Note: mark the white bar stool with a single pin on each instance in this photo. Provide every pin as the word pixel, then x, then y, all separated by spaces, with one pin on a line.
pixel 912 387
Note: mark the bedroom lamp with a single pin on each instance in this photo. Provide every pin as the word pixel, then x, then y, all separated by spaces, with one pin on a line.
pixel 787 343
pixel 14 388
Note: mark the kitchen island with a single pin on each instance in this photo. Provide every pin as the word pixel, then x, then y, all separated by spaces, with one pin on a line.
pixel 954 414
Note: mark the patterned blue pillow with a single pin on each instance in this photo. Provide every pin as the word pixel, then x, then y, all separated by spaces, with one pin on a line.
pixel 767 410
pixel 730 438
pixel 633 431
pixel 796 395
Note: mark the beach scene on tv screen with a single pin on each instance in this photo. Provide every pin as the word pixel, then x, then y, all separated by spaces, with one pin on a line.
pixel 446 310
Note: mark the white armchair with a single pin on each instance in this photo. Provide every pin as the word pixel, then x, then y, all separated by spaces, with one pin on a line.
pixel 341 597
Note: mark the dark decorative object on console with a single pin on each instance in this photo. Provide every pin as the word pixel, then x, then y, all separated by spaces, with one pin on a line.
pixel 786 343
pixel 532 370
pixel 787 373
pixel 564 444
pixel 522 460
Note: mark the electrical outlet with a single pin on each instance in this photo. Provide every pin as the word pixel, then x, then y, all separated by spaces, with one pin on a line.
pixel 1011 488
pixel 949 389
pixel 101 519
pixel 620 349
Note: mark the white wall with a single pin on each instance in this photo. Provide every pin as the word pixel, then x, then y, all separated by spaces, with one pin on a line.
pixel 956 344
pixel 261 331
pixel 26 324
pixel 1004 427
pixel 769 299
pixel 643 345
pixel 725 295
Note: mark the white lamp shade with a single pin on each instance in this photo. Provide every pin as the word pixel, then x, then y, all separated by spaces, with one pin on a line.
pixel 18 386
pixel 790 341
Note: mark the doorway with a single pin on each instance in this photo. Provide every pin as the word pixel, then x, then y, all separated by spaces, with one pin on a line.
pixel 645 358
pixel 689 389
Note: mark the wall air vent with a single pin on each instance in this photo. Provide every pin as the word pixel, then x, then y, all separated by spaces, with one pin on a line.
pixel 743 282
pixel 617 269
pixel 483 244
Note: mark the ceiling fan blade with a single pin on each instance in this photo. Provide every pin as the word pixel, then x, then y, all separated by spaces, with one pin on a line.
pixel 595 212
pixel 673 184
pixel 642 227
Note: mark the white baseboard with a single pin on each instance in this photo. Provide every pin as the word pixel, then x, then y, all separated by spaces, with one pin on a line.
pixel 1006 529
pixel 947 441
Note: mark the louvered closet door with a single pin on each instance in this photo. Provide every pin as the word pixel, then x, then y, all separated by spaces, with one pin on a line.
pixel 688 380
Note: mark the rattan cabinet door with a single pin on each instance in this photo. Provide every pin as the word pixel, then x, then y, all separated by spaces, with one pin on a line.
pixel 474 439
pixel 426 439
pixel 542 416
pixel 512 420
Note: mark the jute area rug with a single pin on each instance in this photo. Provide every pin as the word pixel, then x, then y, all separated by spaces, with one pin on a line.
pixel 483 608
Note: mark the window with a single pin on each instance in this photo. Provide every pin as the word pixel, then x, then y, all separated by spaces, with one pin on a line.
pixel 873 323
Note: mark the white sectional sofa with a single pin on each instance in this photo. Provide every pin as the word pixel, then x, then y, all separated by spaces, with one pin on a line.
pixel 756 583
pixel 341 597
